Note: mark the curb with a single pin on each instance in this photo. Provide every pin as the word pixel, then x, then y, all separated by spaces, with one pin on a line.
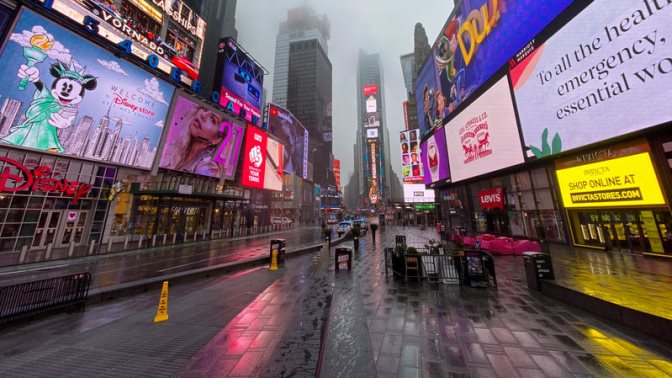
pixel 104 294
pixel 652 325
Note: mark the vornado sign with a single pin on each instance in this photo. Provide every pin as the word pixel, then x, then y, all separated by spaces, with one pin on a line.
pixel 628 180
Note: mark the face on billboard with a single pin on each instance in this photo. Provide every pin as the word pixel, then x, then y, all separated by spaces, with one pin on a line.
pixel 428 95
pixel 484 137
pixel 74 98
pixel 284 126
pixel 434 156
pixel 410 157
pixel 565 98
pixel 477 40
pixel 240 81
pixel 201 141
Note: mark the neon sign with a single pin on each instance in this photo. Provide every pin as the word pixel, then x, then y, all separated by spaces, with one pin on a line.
pixel 39 179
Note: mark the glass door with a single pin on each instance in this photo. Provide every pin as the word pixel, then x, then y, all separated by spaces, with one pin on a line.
pixel 73 228
pixel 47 228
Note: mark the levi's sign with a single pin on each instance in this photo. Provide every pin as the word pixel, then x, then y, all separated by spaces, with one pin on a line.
pixel 492 199
pixel 39 179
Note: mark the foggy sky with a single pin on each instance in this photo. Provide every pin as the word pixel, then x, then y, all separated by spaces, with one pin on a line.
pixel 375 26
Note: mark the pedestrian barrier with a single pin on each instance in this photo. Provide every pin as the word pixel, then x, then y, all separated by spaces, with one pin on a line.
pixel 67 293
pixel 423 265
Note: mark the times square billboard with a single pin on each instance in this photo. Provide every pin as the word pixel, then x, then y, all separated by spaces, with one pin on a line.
pixel 478 39
pixel 169 30
pixel 239 81
pixel 290 132
pixel 74 98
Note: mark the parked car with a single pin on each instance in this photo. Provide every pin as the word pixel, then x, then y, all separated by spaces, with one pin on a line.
pixel 281 220
pixel 344 228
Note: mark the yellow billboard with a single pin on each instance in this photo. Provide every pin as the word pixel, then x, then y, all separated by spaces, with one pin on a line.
pixel 625 181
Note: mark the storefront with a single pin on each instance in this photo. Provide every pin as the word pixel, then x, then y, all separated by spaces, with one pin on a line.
pixel 49 203
pixel 520 204
pixel 614 199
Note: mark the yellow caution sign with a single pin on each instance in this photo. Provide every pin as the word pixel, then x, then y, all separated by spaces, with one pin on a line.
pixel 162 311
pixel 274 259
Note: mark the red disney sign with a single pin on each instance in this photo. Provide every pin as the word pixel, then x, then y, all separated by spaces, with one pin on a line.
pixel 39 180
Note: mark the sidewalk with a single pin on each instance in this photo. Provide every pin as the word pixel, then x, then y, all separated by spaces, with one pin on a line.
pixel 636 282
pixel 419 329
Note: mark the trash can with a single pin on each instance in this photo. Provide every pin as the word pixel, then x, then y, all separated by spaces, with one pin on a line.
pixel 279 245
pixel 476 272
pixel 343 259
pixel 538 266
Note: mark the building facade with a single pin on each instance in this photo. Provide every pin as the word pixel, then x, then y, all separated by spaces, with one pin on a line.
pixel 302 24
pixel 309 97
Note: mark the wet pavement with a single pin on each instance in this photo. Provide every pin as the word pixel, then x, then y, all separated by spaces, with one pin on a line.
pixel 628 280
pixel 278 324
pixel 126 267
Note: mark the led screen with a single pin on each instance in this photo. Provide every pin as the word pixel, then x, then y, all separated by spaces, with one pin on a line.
pixel 479 37
pixel 142 24
pixel 417 193
pixel 434 156
pixel 262 161
pixel 484 136
pixel 65 95
pixel 290 132
pixel 608 66
pixel 375 181
pixel 411 165
pixel 201 141
pixel 240 81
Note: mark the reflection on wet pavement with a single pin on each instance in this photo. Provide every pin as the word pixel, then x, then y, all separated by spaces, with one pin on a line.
pixel 109 270
pixel 637 282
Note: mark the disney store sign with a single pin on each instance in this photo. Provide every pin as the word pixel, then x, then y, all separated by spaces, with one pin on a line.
pixel 39 179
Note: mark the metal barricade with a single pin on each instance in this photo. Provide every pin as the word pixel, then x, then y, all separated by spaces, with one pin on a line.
pixel 67 293
pixel 432 267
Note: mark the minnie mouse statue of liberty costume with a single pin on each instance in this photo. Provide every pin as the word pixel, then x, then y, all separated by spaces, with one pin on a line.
pixel 52 108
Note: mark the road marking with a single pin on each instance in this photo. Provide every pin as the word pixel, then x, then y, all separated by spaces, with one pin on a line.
pixel 30 270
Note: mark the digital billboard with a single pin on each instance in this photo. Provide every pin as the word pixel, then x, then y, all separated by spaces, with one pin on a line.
pixel 373 159
pixel 411 165
pixel 479 37
pixel 142 22
pixel 372 120
pixel 262 161
pixel 74 98
pixel 484 136
pixel 239 80
pixel 607 66
pixel 434 157
pixel 337 173
pixel 371 89
pixel 624 181
pixel 430 100
pixel 290 132
pixel 414 193
pixel 201 141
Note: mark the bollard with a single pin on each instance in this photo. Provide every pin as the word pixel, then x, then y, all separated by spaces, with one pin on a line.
pixel 126 243
pixel 164 238
pixel 140 241
pixel 71 248
pixel 153 240
pixel 109 244
pixel 175 238
pixel 91 247
pixel 195 235
pixel 47 255
pixel 205 233
pixel 22 256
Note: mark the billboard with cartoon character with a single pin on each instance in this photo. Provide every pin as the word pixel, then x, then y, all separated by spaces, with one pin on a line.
pixel 479 37
pixel 74 98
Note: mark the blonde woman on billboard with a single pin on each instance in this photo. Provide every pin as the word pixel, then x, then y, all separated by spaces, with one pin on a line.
pixel 193 150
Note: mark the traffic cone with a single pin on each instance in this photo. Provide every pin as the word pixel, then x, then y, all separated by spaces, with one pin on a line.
pixel 274 260
pixel 162 311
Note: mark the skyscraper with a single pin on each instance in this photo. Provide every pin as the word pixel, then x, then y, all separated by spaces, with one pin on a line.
pixel 309 99
pixel 373 139
pixel 302 24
